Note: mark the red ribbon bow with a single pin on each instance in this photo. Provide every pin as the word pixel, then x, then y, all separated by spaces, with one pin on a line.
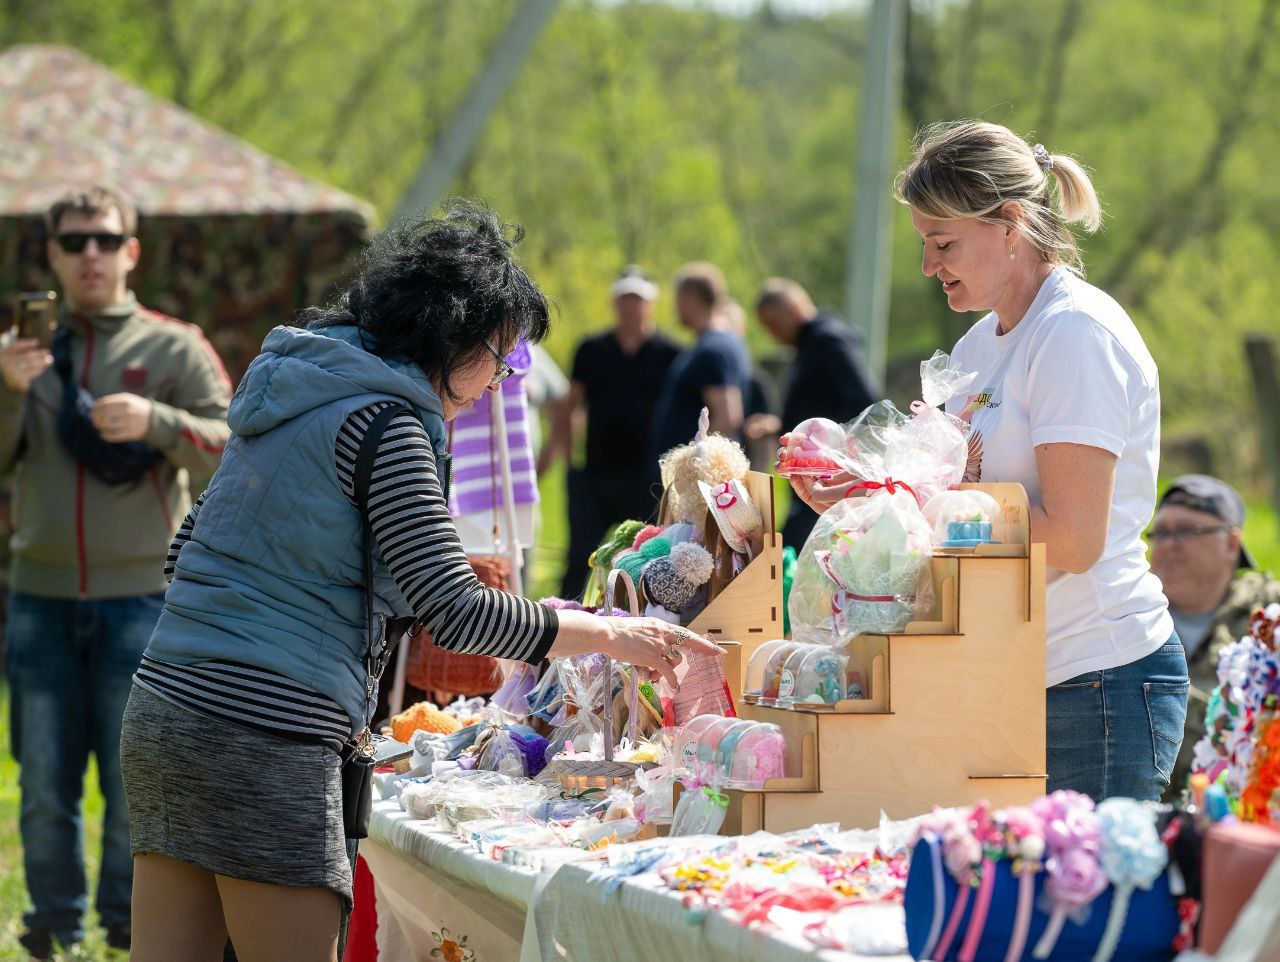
pixel 889 485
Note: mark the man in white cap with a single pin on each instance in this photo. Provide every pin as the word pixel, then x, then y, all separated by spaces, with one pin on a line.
pixel 1212 584
pixel 615 382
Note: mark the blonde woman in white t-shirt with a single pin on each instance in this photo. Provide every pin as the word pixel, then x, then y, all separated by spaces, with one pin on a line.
pixel 1067 402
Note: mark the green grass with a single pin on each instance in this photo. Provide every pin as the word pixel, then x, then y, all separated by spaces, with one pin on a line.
pixel 13 888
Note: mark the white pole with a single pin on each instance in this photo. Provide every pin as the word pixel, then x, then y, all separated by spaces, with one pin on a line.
pixel 498 414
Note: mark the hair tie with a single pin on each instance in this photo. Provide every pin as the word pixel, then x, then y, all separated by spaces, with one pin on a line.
pixel 1042 156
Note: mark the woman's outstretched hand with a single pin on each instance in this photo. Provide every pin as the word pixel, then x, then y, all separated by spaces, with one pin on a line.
pixel 656 644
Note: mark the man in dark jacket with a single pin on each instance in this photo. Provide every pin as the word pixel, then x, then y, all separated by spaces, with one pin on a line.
pixel 829 377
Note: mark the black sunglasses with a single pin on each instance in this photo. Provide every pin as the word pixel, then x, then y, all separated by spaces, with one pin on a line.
pixel 74 242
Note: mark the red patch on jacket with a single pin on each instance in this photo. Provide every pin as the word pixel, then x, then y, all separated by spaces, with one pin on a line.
pixel 134 378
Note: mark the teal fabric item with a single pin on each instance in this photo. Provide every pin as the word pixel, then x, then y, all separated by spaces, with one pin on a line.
pixel 632 562
pixel 273 576
pixel 655 547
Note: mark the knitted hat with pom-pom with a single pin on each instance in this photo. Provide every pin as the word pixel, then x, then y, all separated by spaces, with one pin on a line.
pixel 672 581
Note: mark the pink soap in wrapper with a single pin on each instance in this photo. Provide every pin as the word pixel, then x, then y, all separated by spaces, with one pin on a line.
pixel 815 448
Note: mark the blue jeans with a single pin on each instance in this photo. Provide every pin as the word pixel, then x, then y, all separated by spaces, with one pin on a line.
pixel 1117 732
pixel 70 665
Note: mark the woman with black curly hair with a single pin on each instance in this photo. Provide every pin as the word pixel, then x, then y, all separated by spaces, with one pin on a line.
pixel 255 682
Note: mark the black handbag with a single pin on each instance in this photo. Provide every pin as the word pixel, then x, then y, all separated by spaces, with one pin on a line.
pixel 357 756
pixel 113 463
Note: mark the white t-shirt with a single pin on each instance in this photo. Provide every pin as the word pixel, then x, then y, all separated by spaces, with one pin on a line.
pixel 1075 370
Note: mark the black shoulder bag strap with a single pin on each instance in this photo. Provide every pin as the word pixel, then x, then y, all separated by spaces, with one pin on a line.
pixel 357 756
pixel 363 478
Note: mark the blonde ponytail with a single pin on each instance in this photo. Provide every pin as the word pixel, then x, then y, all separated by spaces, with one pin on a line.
pixel 1077 200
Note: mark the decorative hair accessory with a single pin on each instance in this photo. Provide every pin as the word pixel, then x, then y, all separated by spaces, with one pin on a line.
pixel 1042 156
pixel 1132 856
pixel 1024 840
pixel 1073 842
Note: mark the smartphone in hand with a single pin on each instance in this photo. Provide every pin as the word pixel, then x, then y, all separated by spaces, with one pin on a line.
pixel 34 316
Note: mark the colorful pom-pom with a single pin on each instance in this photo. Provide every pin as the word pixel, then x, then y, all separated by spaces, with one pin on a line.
pixel 692 563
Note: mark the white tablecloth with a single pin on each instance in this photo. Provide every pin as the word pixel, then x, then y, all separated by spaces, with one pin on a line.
pixel 431 888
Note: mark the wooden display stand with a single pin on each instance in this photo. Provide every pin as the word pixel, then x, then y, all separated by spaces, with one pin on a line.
pixel 748 611
pixel 955 712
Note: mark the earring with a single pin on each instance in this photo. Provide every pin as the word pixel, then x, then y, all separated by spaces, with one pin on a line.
pixel 1010 253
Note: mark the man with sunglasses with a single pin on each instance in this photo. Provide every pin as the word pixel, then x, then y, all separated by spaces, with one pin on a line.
pixel 101 434
pixel 1212 584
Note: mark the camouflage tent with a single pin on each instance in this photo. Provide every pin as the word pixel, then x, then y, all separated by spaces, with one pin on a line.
pixel 232 239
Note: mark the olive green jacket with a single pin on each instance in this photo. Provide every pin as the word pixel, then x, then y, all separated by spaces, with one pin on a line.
pixel 75 536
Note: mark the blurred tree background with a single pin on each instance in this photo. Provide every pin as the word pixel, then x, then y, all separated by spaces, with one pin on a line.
pixel 659 133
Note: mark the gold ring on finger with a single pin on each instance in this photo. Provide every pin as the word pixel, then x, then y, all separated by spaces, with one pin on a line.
pixel 671 655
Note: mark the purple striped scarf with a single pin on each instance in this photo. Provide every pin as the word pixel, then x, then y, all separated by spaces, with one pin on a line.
pixel 477 474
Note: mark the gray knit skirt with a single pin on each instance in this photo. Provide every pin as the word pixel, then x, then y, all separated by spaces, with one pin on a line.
pixel 232 800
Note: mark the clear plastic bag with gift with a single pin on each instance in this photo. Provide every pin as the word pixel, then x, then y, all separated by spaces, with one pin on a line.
pixel 583 679
pixel 864 570
pixel 927 450
pixel 865 567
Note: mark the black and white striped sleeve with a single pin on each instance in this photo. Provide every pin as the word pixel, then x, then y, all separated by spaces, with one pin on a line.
pixel 416 535
pixel 182 537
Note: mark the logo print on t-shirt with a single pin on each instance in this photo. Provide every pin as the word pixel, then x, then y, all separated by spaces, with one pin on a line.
pixel 977 402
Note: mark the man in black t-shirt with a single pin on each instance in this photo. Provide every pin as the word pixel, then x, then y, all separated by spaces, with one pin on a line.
pixel 714 373
pixel 829 377
pixel 616 378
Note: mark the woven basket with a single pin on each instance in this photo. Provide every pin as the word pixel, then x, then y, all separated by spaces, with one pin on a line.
pixel 433 669
pixel 579 775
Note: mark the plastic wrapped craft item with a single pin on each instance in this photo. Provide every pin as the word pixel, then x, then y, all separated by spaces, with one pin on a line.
pixel 700 811
pixel 961 519
pixel 813 675
pixel 754 685
pixel 815 448
pixel 520 681
pixel 686 751
pixel 702 689
pixel 706 751
pixel 772 678
pixel 864 570
pixel 583 679
pixel 501 754
pixel 748 757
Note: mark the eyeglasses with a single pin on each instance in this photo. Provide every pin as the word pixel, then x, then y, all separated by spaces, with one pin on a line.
pixel 1183 535
pixel 74 242
pixel 504 370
